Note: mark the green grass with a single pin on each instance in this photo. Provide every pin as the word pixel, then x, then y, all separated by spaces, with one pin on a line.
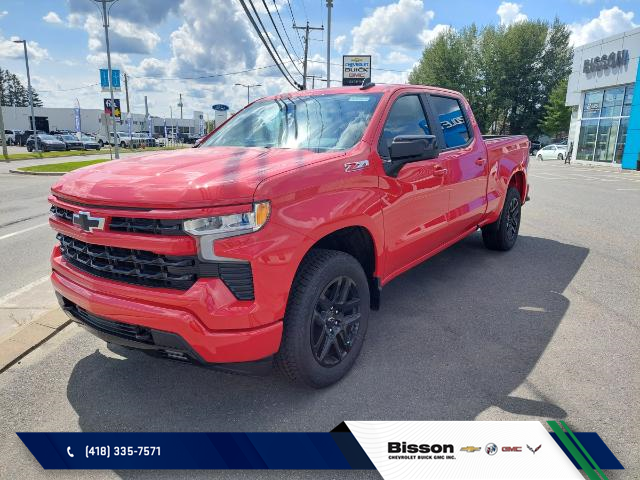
pixel 62 167
pixel 70 153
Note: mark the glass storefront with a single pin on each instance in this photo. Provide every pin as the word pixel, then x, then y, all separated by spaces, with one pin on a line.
pixel 605 119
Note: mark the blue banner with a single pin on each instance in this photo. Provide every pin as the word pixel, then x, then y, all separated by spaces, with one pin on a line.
pixel 104 78
pixel 283 451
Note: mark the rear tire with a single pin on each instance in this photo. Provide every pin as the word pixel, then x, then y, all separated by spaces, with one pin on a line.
pixel 326 319
pixel 502 235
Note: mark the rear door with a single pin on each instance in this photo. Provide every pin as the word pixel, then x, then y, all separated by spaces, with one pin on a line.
pixel 467 162
pixel 416 199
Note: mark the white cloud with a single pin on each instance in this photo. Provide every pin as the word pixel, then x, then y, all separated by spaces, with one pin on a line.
pixel 609 22
pixel 3 13
pixel 124 36
pixel 398 57
pixel 510 12
pixel 11 50
pixel 339 43
pixel 52 17
pixel 404 24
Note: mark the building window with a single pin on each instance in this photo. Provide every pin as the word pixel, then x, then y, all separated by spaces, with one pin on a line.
pixel 628 99
pixel 592 104
pixel 605 120
pixel 622 139
pixel 612 104
pixel 587 141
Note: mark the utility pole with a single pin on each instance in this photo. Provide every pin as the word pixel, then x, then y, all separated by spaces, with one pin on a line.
pixel 105 24
pixel 306 29
pixel 329 7
pixel 180 105
pixel 248 87
pixel 126 91
pixel 313 80
pixel 33 116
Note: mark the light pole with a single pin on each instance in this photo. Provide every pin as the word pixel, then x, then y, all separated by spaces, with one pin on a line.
pixel 329 6
pixel 248 87
pixel 33 116
pixel 105 23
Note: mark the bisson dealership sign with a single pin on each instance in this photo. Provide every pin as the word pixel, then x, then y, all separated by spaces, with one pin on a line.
pixel 613 60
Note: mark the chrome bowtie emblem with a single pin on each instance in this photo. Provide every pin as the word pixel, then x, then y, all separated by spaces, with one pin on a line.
pixel 88 223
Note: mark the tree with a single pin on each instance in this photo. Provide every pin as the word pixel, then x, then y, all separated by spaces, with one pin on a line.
pixel 506 72
pixel 557 116
pixel 14 93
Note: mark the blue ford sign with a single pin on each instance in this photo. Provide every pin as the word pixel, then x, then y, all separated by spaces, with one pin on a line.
pixel 220 108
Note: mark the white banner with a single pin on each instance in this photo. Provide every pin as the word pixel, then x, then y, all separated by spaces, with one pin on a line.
pixel 463 450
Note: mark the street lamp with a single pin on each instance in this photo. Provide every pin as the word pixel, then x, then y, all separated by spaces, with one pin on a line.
pixel 248 87
pixel 33 117
pixel 105 23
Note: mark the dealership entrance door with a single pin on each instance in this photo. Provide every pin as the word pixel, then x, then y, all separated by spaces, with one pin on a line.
pixel 42 123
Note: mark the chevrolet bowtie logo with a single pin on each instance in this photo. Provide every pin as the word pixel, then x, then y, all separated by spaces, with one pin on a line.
pixel 88 223
pixel 470 449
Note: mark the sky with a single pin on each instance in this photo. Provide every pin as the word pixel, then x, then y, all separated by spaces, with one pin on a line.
pixel 168 46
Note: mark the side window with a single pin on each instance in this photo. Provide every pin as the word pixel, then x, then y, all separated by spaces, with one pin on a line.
pixel 451 118
pixel 406 117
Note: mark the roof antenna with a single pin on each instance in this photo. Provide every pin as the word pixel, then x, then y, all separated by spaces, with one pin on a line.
pixel 367 83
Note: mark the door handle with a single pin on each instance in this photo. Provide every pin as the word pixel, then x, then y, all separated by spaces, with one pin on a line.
pixel 439 171
pixel 480 161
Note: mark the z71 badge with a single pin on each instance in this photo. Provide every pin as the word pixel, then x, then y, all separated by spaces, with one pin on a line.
pixel 355 166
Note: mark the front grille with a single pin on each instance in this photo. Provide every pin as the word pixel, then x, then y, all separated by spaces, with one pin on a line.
pixel 146 225
pixel 135 333
pixel 133 266
pixel 131 225
pixel 62 213
pixel 141 267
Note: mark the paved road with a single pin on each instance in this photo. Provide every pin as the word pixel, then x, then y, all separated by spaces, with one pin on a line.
pixel 546 331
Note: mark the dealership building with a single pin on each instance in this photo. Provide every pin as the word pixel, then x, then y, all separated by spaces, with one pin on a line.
pixel 605 119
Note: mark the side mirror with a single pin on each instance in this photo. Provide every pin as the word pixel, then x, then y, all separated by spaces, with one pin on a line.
pixel 410 148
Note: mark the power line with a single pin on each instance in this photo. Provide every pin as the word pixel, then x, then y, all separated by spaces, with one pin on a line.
pixel 69 89
pixel 293 19
pixel 213 75
pixel 280 36
pixel 283 70
pixel 285 31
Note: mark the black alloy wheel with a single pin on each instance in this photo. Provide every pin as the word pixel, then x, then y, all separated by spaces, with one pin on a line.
pixel 513 219
pixel 335 321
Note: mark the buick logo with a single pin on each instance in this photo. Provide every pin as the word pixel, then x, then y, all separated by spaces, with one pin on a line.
pixel 491 449
pixel 86 222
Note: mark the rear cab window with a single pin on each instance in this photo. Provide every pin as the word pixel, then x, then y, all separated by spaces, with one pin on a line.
pixel 452 119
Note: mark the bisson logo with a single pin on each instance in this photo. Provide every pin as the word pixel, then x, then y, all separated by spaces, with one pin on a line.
pixel 404 447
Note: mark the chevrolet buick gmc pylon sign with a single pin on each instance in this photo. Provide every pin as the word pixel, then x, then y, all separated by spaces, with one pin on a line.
pixel 355 69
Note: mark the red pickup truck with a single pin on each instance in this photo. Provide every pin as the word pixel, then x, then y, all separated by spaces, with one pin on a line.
pixel 273 239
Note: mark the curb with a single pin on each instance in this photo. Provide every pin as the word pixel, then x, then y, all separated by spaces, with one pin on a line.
pixel 30 337
pixel 46 174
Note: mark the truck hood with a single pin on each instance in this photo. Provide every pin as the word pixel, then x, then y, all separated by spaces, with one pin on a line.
pixel 185 178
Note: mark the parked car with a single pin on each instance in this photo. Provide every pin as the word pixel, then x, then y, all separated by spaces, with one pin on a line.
pixel 46 143
pixel 24 136
pixel 144 139
pixel 12 137
pixel 123 139
pixel 552 152
pixel 89 142
pixel 192 139
pixel 534 147
pixel 276 243
pixel 71 141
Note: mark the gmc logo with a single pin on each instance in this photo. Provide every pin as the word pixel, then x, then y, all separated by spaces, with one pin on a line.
pixel 511 449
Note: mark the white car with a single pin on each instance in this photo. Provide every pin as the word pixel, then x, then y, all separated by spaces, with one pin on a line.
pixel 552 152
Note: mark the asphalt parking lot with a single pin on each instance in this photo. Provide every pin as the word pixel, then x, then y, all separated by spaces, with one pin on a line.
pixel 546 331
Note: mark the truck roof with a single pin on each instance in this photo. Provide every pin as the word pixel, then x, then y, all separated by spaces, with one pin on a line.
pixel 377 88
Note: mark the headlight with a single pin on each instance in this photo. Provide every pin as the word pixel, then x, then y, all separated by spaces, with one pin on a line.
pixel 230 225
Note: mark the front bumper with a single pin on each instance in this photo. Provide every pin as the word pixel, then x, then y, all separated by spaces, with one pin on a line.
pixel 169 313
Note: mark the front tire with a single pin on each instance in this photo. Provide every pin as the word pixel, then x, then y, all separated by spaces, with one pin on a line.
pixel 560 157
pixel 326 319
pixel 502 235
pixel 540 158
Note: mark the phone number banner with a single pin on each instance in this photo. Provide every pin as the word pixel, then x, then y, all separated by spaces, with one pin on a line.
pixel 398 450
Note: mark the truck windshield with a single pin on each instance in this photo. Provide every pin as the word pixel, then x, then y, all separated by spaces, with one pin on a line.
pixel 318 123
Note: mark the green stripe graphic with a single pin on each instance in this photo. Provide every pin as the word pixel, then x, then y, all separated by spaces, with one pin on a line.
pixel 573 450
pixel 584 450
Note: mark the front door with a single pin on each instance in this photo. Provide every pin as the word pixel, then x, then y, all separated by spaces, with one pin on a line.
pixel 416 201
